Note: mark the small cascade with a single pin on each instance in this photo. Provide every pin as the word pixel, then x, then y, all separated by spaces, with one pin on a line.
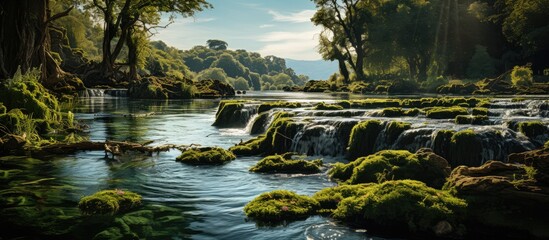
pixel 260 122
pixel 412 140
pixel 97 92
pixel 326 138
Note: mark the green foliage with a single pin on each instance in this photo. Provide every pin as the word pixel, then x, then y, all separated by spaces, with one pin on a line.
pixel 280 205
pixel 522 76
pixel 481 64
pixel 206 156
pixel 445 112
pixel 230 65
pixel 394 165
pixel 401 205
pixel 323 106
pixel 215 44
pixel 241 84
pixel 279 104
pixel 109 202
pixel 3 108
pixel 532 129
pixel 284 164
pixel 363 138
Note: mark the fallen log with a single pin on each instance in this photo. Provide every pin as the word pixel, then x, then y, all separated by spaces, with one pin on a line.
pixel 113 147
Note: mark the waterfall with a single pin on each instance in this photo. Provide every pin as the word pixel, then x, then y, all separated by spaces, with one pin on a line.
pixel 97 92
pixel 326 138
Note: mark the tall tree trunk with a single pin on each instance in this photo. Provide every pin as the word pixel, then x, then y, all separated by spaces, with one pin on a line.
pixel 22 36
pixel 343 70
pixel 131 42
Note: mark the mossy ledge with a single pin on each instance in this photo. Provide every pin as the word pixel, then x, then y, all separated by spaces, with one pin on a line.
pixel 206 156
pixel 285 164
pixel 275 207
pixel 270 105
pixel 109 202
pixel 327 107
pixel 446 112
pixel 363 138
pixel 386 165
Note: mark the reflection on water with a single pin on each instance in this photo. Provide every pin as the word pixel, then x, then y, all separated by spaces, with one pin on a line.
pixel 208 201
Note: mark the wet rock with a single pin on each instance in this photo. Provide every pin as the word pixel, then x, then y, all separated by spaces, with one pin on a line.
pixel 538 159
pixel 280 104
pixel 279 206
pixel 458 88
pixel 445 112
pixel 363 138
pixel 206 156
pixel 214 89
pixel 234 114
pixel 385 165
pixel 285 164
pixel 329 107
pixel 503 196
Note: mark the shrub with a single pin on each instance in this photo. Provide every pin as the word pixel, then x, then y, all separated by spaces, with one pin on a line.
pixel 280 205
pixel 206 156
pixel 522 76
pixel 109 202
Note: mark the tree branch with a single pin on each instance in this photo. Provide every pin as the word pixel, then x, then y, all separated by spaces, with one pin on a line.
pixel 59 15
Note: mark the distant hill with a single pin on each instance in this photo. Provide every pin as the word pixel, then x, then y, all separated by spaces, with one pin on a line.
pixel 316 70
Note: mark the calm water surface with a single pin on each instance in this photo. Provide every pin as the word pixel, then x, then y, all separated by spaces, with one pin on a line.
pixel 210 198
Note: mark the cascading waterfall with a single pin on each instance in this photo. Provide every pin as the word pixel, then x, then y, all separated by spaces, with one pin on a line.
pixel 327 138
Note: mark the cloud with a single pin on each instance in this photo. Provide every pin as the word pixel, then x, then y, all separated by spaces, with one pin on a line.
pixel 297 17
pixel 266 26
pixel 294 45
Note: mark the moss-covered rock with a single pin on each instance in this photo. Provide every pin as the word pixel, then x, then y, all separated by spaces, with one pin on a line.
pixel 3 108
pixel 468 119
pixel 446 112
pixel 394 129
pixel 278 139
pixel 345 104
pixel 375 103
pixel 533 129
pixel 249 148
pixel 316 86
pixel 233 114
pixel 480 111
pixel 280 205
pixel 385 165
pixel 329 198
pixel 324 106
pixel 363 138
pixel 503 196
pixel 211 88
pixel 260 122
pixel 465 149
pixel 270 105
pixel 285 164
pixel 457 88
pixel 109 202
pixel 206 156
pixel 538 160
pixel 404 205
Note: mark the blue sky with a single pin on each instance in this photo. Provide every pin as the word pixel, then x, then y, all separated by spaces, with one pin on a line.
pixel 270 27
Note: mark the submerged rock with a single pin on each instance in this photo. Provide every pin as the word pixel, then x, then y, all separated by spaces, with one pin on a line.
pixel 109 202
pixel 285 164
pixel 503 196
pixel 206 156
pixel 279 206
pixel 386 165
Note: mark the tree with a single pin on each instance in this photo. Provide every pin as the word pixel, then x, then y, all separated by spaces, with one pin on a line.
pixel 241 84
pixel 24 38
pixel 120 20
pixel 352 17
pixel 330 50
pixel 212 73
pixel 217 45
pixel 481 64
pixel 229 64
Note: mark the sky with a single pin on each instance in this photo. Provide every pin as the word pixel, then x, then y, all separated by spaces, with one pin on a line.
pixel 270 27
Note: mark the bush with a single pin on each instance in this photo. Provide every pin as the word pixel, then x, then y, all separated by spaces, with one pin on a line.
pixel 284 164
pixel 109 202
pixel 522 76
pixel 206 156
pixel 280 205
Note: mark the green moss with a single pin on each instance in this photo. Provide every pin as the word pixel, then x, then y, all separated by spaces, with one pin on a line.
pixel 375 103
pixel 323 106
pixel 3 108
pixel 394 129
pixel 363 138
pixel 278 138
pixel 109 202
pixel 532 129
pixel 445 112
pixel 465 149
pixel 280 205
pixel 206 156
pixel 475 120
pixel 250 147
pixel 480 111
pixel 392 112
pixel 546 145
pixel 284 164
pixel 394 165
pixel 344 104
pixel 229 114
pixel 401 205
pixel 270 105
pixel 329 198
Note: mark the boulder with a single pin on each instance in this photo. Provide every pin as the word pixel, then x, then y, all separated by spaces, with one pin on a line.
pixel 538 159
